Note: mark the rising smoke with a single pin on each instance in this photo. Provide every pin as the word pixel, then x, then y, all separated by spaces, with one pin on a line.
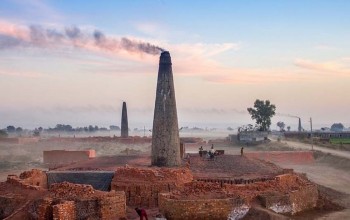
pixel 40 36
pixel 287 115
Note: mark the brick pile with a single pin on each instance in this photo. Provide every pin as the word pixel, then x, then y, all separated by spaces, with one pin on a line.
pixel 34 179
pixel 112 205
pixel 68 190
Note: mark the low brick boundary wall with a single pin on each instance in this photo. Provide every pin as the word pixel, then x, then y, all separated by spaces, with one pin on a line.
pixel 206 209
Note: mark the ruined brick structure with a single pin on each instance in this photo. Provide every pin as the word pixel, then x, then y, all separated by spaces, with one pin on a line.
pixel 165 134
pixel 34 179
pixel 78 201
pixel 124 124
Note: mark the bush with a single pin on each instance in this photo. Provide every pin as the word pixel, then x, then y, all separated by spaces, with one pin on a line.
pixel 3 134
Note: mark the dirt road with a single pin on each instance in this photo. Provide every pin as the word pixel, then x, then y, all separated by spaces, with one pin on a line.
pixel 303 146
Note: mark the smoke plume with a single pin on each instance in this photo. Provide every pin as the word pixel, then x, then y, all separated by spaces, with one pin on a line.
pixel 287 115
pixel 39 36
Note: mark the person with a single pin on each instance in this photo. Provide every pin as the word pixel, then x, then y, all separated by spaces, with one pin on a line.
pixel 201 151
pixel 142 213
pixel 242 151
pixel 212 150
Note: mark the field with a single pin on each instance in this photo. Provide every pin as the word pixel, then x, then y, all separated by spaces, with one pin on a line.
pixel 340 140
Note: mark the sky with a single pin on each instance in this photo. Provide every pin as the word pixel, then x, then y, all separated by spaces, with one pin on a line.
pixel 75 62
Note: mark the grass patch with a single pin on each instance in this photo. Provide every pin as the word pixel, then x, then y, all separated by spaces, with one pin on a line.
pixel 340 140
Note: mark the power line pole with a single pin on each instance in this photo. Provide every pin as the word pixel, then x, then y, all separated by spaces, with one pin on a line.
pixel 311 136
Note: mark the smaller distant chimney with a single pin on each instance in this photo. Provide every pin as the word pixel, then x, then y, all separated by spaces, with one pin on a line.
pixel 124 125
pixel 299 126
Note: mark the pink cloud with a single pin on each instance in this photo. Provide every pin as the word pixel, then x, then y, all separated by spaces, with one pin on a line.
pixel 340 68
pixel 20 74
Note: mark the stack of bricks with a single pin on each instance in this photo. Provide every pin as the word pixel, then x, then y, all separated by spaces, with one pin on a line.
pixel 68 190
pixel 112 205
pixel 64 211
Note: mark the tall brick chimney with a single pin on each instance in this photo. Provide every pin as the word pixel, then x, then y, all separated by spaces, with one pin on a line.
pixel 124 125
pixel 165 133
pixel 299 126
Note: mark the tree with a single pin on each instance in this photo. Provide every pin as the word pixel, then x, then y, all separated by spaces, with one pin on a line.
pixel 262 113
pixel 288 128
pixel 114 128
pixel 3 134
pixel 19 131
pixel 337 127
pixel 281 125
pixel 11 129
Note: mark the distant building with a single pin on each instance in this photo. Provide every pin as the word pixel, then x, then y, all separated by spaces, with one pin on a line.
pixel 252 136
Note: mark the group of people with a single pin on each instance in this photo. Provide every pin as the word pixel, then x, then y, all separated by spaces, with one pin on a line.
pixel 210 154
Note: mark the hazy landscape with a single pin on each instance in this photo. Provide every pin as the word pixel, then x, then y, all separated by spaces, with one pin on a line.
pixel 174 109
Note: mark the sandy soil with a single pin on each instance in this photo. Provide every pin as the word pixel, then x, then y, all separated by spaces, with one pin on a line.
pixel 299 145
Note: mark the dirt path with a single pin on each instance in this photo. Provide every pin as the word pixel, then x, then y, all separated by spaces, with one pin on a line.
pixel 299 145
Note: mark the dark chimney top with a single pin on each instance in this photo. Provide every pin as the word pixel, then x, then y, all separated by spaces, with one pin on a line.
pixel 165 58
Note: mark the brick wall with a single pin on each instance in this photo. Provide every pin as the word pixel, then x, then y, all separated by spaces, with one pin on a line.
pixel 210 209
pixel 304 198
pixel 44 209
pixel 64 211
pixel 141 186
pixel 143 194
